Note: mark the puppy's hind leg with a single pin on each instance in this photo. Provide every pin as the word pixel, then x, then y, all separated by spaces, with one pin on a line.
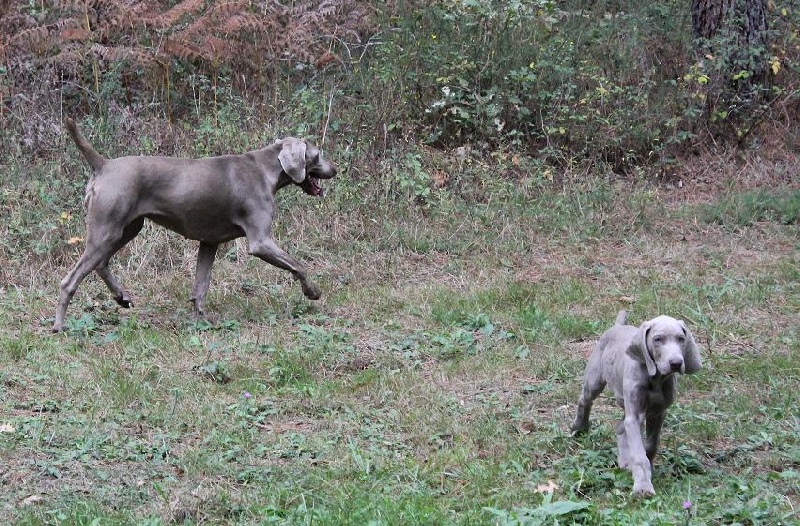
pixel 593 385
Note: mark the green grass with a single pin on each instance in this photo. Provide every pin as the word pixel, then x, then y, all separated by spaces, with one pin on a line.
pixel 740 209
pixel 433 384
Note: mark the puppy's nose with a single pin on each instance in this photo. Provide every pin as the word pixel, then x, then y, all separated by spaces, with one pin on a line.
pixel 675 364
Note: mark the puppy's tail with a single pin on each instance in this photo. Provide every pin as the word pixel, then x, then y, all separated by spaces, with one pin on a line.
pixel 96 161
pixel 622 317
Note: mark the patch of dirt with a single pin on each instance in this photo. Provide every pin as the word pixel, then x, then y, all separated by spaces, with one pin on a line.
pixel 702 178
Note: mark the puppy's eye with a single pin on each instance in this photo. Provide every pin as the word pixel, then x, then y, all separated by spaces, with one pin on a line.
pixel 658 339
pixel 680 339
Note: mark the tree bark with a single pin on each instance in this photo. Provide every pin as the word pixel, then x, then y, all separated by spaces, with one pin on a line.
pixel 708 17
pixel 734 31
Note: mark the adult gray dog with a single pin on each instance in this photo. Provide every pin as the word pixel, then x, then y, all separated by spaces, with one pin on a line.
pixel 211 200
pixel 640 364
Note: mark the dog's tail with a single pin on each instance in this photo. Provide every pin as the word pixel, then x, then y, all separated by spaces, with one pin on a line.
pixel 96 161
pixel 622 317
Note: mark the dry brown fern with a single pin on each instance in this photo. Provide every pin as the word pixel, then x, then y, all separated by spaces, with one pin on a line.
pixel 173 15
pixel 77 41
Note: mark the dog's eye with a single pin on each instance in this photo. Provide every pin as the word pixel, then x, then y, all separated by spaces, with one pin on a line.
pixel 680 339
pixel 658 339
pixel 315 160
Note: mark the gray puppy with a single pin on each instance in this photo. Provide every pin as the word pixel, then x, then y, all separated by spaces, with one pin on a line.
pixel 640 364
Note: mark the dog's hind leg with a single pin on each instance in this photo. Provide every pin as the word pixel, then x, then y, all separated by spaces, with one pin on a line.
pixel 92 256
pixel 120 294
pixel 101 244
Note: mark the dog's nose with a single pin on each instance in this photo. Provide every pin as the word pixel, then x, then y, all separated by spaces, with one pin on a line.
pixel 676 364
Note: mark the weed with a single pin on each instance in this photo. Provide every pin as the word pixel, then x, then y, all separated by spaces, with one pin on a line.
pixel 216 370
pixel 546 513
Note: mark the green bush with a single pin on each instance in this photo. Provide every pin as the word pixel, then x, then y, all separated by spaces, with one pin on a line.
pixel 557 81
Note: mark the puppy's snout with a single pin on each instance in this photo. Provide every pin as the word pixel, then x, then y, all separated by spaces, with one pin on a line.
pixel 324 170
pixel 676 364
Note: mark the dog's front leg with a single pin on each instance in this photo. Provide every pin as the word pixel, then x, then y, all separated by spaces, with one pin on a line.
pixel 202 275
pixel 266 249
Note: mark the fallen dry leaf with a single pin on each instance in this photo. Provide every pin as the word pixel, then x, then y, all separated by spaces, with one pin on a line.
pixel 549 487
pixel 526 427
pixel 33 499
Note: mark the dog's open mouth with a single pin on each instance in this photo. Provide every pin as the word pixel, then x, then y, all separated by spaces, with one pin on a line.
pixel 311 186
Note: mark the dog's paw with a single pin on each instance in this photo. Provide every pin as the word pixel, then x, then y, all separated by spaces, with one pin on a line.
pixel 124 301
pixel 311 291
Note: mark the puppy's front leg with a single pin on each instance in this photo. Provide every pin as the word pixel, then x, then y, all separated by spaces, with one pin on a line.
pixel 637 459
pixel 629 432
pixel 653 424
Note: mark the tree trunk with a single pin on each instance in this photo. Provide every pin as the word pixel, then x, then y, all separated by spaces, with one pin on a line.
pixel 734 31
pixel 708 17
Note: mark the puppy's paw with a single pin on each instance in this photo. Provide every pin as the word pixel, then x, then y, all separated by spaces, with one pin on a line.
pixel 578 428
pixel 644 490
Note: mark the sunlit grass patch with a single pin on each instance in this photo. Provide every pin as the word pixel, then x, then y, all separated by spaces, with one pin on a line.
pixel 742 209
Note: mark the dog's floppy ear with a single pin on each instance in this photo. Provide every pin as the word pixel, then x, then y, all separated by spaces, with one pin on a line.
pixel 640 351
pixel 691 356
pixel 293 159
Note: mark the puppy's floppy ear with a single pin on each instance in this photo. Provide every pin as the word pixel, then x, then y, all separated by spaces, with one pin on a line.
pixel 691 356
pixel 293 159
pixel 640 351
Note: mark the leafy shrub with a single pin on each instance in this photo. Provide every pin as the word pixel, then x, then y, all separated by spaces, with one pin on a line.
pixel 565 81
pixel 561 82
